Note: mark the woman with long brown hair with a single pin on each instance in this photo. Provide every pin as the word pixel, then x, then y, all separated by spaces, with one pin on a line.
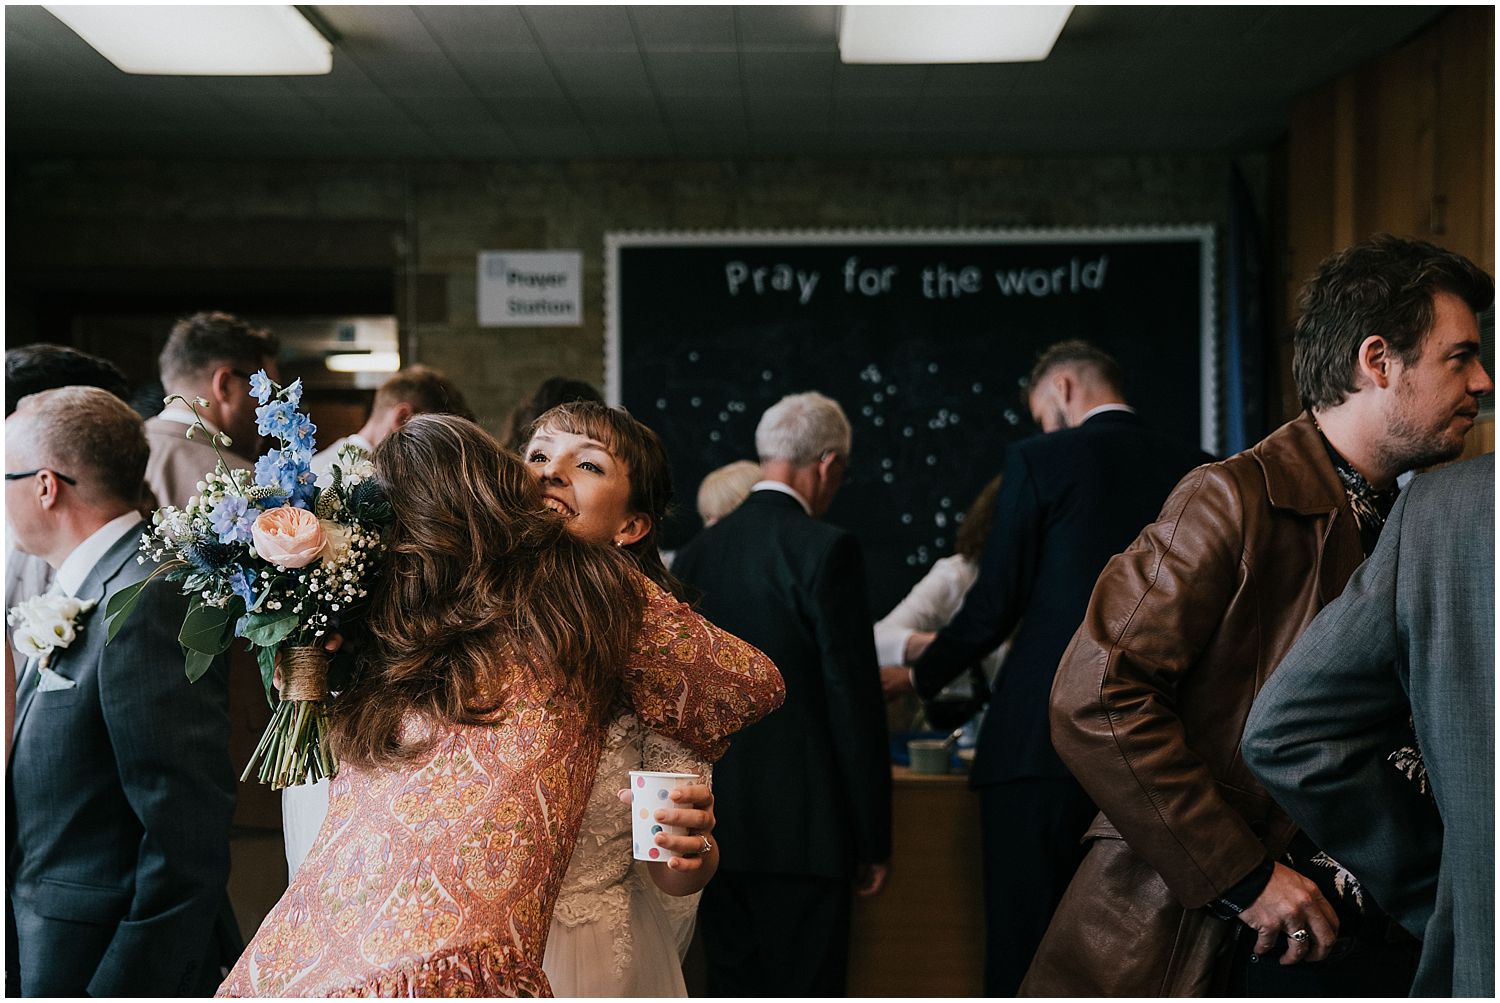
pixel 621 928
pixel 470 736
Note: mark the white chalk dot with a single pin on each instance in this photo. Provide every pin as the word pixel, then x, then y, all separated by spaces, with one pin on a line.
pixel 713 436
pixel 696 401
pixel 879 420
pixel 661 403
pixel 906 518
pixel 889 478
pixel 692 356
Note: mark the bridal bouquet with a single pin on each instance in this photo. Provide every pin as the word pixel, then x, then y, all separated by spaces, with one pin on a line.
pixel 271 557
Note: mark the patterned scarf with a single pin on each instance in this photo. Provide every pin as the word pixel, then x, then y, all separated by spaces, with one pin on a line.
pixel 1370 506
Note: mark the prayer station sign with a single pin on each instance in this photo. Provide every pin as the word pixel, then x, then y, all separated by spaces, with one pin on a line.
pixel 530 288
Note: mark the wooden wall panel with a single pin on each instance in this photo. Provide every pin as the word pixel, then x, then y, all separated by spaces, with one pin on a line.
pixel 1404 144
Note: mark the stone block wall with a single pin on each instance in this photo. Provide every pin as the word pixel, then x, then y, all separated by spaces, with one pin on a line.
pixel 95 225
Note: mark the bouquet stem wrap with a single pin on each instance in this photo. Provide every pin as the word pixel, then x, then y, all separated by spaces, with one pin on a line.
pixel 294 749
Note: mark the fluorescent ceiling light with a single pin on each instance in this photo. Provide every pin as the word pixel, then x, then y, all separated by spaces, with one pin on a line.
pixel 202 40
pixel 364 362
pixel 992 34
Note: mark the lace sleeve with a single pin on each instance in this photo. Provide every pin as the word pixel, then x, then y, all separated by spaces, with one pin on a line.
pixel 667 756
pixel 691 681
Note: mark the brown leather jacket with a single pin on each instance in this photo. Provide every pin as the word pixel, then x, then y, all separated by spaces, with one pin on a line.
pixel 1150 700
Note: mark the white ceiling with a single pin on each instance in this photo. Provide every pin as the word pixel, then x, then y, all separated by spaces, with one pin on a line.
pixel 548 82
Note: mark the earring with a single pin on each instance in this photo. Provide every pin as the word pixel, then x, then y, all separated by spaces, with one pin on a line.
pixel 619 543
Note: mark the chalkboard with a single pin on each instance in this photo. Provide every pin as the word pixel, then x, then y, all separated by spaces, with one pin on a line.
pixel 923 337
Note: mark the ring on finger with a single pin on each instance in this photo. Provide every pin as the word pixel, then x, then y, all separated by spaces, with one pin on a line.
pixel 706 848
pixel 1300 936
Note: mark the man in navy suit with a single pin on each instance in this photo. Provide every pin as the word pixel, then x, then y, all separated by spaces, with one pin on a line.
pixel 775 919
pixel 1070 499
pixel 119 788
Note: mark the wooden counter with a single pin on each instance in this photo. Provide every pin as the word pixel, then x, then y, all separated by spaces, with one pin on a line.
pixel 924 935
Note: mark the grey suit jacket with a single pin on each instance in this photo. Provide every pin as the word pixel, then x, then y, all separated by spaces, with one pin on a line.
pixel 1413 634
pixel 119 793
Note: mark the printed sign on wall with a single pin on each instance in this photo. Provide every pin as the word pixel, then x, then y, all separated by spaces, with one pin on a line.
pixel 530 288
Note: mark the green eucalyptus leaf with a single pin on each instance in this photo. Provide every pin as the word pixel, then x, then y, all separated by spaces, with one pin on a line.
pixel 196 663
pixel 270 628
pixel 266 658
pixel 120 606
pixel 207 629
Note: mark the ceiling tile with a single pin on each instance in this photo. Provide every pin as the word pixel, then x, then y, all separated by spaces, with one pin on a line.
pixel 661 28
pixel 872 79
pixel 573 29
pixel 498 28
pixel 556 142
pixel 789 69
pixel 469 142
pixel 788 26
pixel 716 106
pixel 447 107
pixel 693 71
pixel 599 72
pixel 383 28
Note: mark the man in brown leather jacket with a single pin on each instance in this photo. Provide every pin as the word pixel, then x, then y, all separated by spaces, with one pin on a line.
pixel 1187 857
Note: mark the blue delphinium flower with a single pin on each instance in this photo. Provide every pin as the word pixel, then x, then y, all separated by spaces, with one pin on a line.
pixel 276 418
pixel 277 470
pixel 293 393
pixel 232 520
pixel 242 582
pixel 306 490
pixel 261 387
pixel 302 434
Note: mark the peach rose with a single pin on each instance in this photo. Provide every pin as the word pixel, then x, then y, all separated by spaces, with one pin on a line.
pixel 289 537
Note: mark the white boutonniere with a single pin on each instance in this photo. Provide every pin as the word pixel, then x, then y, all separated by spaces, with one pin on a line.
pixel 45 623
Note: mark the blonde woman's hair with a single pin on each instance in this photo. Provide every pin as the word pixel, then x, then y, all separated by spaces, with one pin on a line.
pixel 724 489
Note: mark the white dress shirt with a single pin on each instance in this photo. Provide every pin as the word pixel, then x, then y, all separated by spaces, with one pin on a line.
pixel 785 489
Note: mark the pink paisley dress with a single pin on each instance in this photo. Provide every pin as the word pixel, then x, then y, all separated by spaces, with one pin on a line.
pixel 439 879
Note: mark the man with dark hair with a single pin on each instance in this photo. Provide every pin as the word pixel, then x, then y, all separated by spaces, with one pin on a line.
pixel 414 390
pixel 30 369
pixel 208 357
pixel 1195 882
pixel 118 788
pixel 1069 500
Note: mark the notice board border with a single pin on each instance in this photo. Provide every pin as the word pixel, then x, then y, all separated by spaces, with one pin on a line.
pixel 1208 342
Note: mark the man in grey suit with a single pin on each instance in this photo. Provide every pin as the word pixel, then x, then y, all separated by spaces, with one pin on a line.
pixel 119 788
pixel 1412 637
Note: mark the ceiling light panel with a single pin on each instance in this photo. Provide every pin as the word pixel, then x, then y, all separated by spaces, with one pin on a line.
pixel 207 40
pixel 947 34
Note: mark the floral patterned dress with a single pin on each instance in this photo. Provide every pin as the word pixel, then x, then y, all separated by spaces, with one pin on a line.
pixel 439 879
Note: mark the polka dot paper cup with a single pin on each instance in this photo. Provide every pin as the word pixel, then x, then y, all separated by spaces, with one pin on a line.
pixel 650 792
